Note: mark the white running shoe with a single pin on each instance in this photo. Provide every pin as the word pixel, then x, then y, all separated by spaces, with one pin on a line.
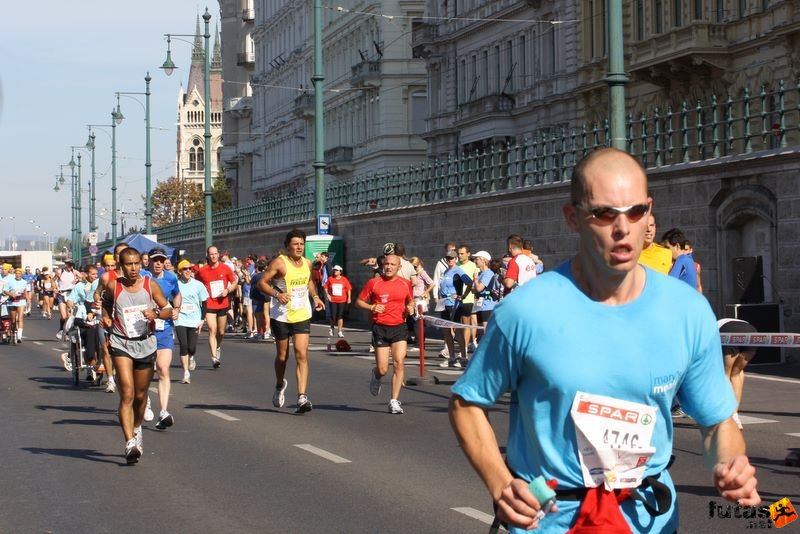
pixel 279 397
pixel 330 332
pixel 374 383
pixel 66 362
pixel 444 353
pixel 148 412
pixel 192 363
pixel 395 407
pixel 137 435
pixel 60 335
pixel 187 379
pixel 132 451
pixel 111 386
pixel 303 404
pixel 341 334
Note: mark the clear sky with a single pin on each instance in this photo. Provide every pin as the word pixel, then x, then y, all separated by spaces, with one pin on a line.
pixel 61 63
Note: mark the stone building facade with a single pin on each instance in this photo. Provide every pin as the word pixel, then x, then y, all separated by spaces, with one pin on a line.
pixel 191 114
pixel 375 92
pixel 238 64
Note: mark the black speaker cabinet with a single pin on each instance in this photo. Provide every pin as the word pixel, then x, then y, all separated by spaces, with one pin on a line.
pixel 766 318
pixel 748 284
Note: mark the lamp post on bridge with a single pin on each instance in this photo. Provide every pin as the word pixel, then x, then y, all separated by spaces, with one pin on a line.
pixel 169 67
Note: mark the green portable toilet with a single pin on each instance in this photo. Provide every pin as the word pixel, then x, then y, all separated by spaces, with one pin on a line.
pixel 332 244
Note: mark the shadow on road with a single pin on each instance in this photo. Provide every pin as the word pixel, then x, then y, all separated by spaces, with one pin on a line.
pixel 88 422
pixel 81 454
pixel 79 409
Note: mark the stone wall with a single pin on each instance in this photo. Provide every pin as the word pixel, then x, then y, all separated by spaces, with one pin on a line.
pixel 728 207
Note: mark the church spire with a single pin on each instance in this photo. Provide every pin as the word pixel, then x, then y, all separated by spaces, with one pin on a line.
pixel 216 61
pixel 198 49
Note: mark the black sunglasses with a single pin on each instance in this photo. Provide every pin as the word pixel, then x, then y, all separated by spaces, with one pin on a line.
pixel 608 214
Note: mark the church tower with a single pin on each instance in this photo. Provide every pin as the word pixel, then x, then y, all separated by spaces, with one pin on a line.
pixel 191 114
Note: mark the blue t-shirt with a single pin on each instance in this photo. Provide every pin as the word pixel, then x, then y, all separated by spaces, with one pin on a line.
pixel 451 284
pixel 684 269
pixel 664 342
pixel 487 299
pixel 30 279
pixel 169 286
pixel 251 269
pixel 193 296
pixel 79 295
pixel 15 286
pixel 256 294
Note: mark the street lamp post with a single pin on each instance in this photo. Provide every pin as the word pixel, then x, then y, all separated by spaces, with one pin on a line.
pixel 76 204
pixel 115 119
pixel 90 144
pixel 169 67
pixel 148 203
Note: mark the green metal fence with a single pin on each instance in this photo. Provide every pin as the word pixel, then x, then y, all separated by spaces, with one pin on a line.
pixel 738 123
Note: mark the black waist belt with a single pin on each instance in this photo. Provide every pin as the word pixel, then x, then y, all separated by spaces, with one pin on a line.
pixel 126 338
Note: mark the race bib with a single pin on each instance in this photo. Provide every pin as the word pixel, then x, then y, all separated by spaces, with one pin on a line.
pixel 299 298
pixel 159 325
pixel 614 440
pixel 134 320
pixel 188 307
pixel 216 287
pixel 337 290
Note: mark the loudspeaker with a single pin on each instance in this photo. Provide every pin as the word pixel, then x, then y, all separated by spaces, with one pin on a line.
pixel 766 318
pixel 748 286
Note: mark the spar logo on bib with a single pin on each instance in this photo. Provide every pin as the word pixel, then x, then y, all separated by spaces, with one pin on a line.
pixel 610 412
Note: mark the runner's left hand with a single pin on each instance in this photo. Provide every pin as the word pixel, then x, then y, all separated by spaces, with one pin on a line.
pixel 736 481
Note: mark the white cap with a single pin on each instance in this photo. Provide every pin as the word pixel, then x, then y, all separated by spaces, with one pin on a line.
pixel 483 254
pixel 337 268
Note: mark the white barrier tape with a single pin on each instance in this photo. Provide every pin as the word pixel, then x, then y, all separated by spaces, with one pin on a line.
pixel 762 339
pixel 444 323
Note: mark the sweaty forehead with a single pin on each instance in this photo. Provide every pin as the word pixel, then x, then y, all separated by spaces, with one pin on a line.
pixel 615 178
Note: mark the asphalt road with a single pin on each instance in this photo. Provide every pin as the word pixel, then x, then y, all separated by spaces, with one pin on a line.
pixel 233 463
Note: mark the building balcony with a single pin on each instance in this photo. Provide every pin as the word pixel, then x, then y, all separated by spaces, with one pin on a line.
pixel 423 38
pixel 489 105
pixel 339 160
pixel 366 74
pixel 304 106
pixel 248 14
pixel 246 58
pixel 698 49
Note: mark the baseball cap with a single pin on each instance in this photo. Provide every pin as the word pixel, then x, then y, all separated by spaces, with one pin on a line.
pixel 735 326
pixel 451 254
pixel 7 266
pixel 337 268
pixel 18 270
pixel 183 264
pixel 483 254
pixel 156 253
pixel 388 249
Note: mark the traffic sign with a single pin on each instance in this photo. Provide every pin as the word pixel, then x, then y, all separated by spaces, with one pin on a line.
pixel 92 238
pixel 92 249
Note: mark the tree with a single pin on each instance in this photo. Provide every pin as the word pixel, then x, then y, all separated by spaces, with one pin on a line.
pixel 171 198
pixel 221 198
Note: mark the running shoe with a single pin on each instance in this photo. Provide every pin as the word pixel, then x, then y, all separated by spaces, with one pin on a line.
pixel 395 407
pixel 267 336
pixel 91 375
pixel 341 334
pixel 186 378
pixel 279 397
pixel 374 383
pixel 371 348
pixel 219 352
pixel 444 353
pixel 132 451
pixel 251 335
pixel 111 386
pixel 677 412
pixel 137 435
pixel 330 332
pixel 303 404
pixel 148 412
pixel 65 361
pixel 215 363
pixel 165 421
pixel 60 335
pixel 451 362
pixel 737 420
pixel 463 362
pixel 192 363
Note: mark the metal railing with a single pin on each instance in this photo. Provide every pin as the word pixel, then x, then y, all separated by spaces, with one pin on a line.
pixel 677 133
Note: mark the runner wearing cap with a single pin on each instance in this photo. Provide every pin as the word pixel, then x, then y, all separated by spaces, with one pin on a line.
pixel 65 280
pixel 30 284
pixel 14 288
pixel 163 332
pixel 487 289
pixel 338 291
pixel 736 358
pixel 193 300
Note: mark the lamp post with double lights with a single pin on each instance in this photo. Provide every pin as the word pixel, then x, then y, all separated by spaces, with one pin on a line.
pixel 169 67
pixel 148 206
pixel 76 203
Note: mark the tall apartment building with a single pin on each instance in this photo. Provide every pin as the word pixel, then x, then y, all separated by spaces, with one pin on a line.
pixel 238 64
pixel 191 114
pixel 498 70
pixel 375 91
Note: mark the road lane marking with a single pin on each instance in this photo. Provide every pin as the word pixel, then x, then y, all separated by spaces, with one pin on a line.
pixel 59 350
pixel 221 415
pixel 38 343
pixel 447 372
pixel 750 420
pixel 773 378
pixel 322 453
pixel 475 514
pixel 794 435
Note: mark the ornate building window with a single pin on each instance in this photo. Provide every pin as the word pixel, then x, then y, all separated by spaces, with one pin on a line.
pixel 197 161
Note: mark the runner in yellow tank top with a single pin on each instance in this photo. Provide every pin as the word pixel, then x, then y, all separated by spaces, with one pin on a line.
pixel 288 281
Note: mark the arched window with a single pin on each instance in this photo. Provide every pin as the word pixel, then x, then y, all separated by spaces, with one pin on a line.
pixel 197 160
